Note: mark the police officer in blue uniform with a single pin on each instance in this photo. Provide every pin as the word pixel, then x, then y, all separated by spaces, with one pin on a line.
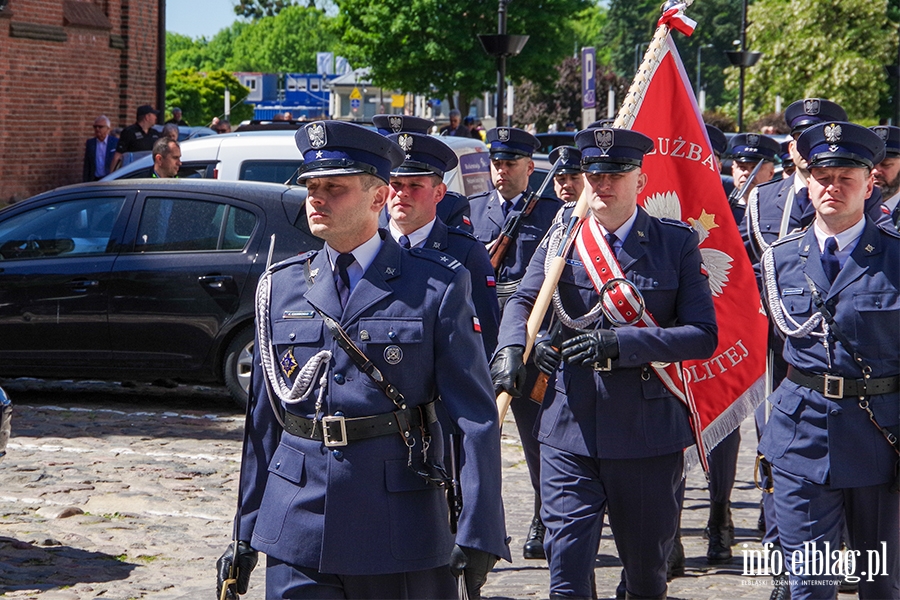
pixel 341 437
pixel 746 150
pixel 417 189
pixel 787 161
pixel 887 172
pixel 613 439
pixel 567 182
pixel 833 290
pixel 453 209
pixel 511 150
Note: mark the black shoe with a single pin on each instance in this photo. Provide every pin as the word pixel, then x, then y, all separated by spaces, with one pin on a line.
pixel 781 589
pixel 761 522
pixel 534 545
pixel 675 564
pixel 720 531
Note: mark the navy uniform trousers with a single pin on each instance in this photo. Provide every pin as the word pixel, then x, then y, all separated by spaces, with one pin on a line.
pixel 358 515
pixel 772 199
pixel 613 441
pixel 832 467
pixel 487 219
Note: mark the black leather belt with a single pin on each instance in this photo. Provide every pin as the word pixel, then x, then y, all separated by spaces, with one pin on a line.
pixel 835 386
pixel 338 430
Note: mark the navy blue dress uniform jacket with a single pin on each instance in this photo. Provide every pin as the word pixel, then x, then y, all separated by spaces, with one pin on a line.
pixel 471 253
pixel 454 211
pixel 824 439
pixel 625 413
pixel 772 201
pixel 488 219
pixel 359 509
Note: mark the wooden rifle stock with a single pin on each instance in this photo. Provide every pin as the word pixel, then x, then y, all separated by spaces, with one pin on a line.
pixel 510 230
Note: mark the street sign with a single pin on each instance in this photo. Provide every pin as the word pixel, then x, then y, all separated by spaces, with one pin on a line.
pixel 588 78
pixel 355 95
pixel 354 103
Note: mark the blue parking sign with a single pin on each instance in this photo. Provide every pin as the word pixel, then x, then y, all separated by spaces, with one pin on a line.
pixel 588 78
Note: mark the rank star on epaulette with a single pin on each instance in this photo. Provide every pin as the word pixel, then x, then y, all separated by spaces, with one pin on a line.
pixel 445 258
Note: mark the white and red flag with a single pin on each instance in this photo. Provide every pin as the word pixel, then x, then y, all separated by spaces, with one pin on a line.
pixel 684 184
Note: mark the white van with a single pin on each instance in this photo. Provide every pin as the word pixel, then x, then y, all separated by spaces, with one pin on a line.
pixel 272 156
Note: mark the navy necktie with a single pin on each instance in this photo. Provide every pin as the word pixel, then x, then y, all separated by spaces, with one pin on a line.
pixel 830 262
pixel 404 242
pixel 343 277
pixel 611 239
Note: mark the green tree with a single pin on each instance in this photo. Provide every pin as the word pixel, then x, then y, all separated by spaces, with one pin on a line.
pixel 821 48
pixel 430 46
pixel 286 43
pixel 630 25
pixel 588 26
pixel 201 96
pixel 561 102
pixel 257 9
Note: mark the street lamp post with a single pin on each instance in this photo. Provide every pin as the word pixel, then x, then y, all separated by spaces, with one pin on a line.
pixel 699 72
pixel 743 59
pixel 501 46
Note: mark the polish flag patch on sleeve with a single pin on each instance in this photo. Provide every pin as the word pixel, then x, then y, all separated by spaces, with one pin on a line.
pixel 491 282
pixel 476 324
pixel 466 220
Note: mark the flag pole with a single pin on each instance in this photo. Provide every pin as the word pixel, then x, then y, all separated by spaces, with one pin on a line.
pixel 624 120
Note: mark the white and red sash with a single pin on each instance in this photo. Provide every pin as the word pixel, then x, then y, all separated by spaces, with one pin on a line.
pixel 601 265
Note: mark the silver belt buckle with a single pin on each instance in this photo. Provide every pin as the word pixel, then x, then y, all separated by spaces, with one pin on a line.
pixel 326 433
pixel 601 367
pixel 834 386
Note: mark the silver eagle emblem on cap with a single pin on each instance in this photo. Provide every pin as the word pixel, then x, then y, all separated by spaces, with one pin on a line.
pixel 395 123
pixel 605 139
pixel 752 139
pixel 503 134
pixel 882 132
pixel 316 135
pixel 811 106
pixel 564 154
pixel 406 142
pixel 833 133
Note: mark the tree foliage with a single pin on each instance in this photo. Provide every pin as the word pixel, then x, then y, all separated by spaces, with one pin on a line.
pixel 285 43
pixel 257 9
pixel 820 48
pixel 431 47
pixel 561 102
pixel 201 96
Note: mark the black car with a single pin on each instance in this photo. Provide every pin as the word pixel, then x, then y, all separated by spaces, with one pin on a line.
pixel 141 279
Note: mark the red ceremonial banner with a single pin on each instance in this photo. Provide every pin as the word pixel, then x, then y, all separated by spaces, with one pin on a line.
pixel 684 184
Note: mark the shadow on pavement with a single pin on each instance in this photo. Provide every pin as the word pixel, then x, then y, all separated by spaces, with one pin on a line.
pixel 26 566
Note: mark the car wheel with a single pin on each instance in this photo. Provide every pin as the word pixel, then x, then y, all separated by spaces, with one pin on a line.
pixel 237 365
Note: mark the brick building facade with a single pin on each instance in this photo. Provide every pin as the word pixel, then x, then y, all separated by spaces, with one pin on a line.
pixel 62 63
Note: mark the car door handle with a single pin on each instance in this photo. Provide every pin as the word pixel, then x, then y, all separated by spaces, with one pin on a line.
pixel 84 283
pixel 215 281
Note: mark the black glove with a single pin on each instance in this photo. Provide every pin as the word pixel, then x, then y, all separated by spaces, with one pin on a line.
pixel 246 560
pixel 546 357
pixel 508 371
pixel 474 565
pixel 592 347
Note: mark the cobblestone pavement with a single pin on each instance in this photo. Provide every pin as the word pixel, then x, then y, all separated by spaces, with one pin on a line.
pixel 128 493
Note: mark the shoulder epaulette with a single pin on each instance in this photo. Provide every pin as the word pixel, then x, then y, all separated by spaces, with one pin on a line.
pixel 436 256
pixel 461 232
pixel 294 260
pixel 487 193
pixel 770 183
pixel 794 235
pixel 676 222
pixel 888 228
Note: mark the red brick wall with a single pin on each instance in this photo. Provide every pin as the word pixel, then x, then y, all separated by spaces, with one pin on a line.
pixel 51 90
